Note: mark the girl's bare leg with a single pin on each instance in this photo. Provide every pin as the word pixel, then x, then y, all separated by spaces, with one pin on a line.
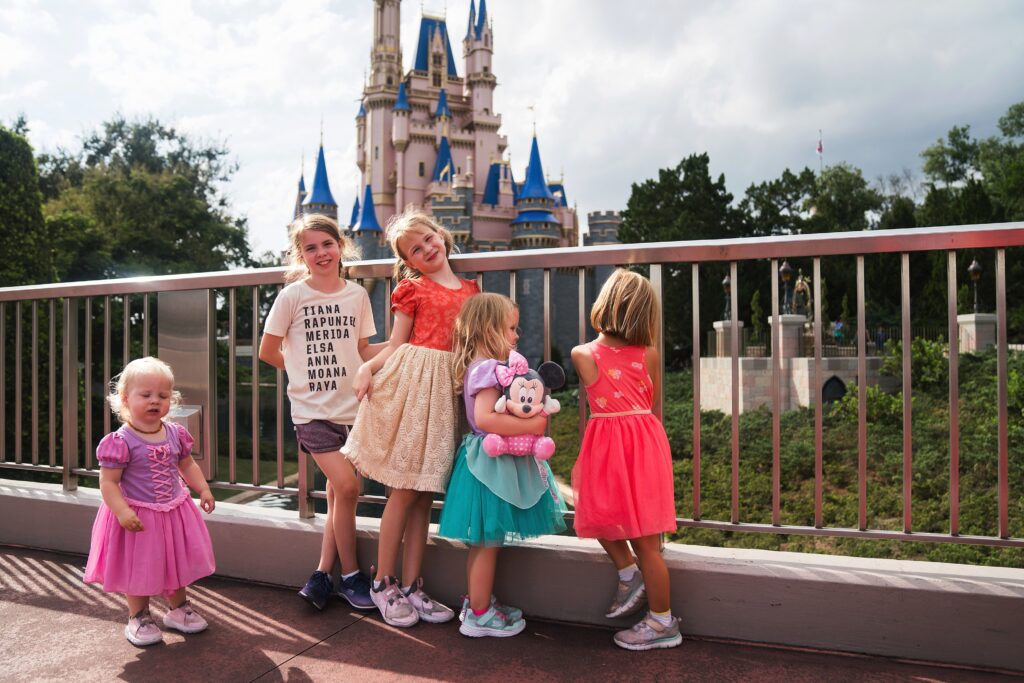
pixel 416 528
pixel 136 603
pixel 619 552
pixel 392 528
pixel 328 546
pixel 655 571
pixel 341 477
pixel 480 569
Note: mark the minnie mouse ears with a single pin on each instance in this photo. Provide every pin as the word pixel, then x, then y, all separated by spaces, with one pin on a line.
pixel 552 375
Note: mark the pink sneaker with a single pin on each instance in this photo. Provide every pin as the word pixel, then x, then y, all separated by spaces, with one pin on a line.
pixel 184 619
pixel 142 631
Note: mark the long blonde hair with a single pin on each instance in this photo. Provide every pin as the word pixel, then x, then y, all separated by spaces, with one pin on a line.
pixel 121 384
pixel 315 221
pixel 413 220
pixel 627 308
pixel 480 331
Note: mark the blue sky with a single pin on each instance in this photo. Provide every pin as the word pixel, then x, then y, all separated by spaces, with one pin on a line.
pixel 620 89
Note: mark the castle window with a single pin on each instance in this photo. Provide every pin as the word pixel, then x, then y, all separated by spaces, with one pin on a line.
pixel 486 68
pixel 437 80
pixel 376 152
pixel 437 60
pixel 487 40
pixel 390 80
pixel 422 169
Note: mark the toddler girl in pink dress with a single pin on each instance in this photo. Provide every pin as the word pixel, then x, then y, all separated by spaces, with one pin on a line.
pixel 149 538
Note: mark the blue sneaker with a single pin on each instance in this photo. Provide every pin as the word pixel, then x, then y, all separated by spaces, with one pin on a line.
pixel 491 623
pixel 356 589
pixel 317 590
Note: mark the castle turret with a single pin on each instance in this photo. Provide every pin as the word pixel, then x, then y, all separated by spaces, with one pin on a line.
pixel 320 199
pixel 361 138
pixel 300 196
pixel 355 213
pixel 535 225
pixel 386 53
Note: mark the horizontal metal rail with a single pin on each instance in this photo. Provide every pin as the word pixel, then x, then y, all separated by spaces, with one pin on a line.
pixel 116 328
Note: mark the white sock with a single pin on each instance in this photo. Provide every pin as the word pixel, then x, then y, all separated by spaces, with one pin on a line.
pixel 663 618
pixel 350 574
pixel 626 574
pixel 377 585
pixel 407 589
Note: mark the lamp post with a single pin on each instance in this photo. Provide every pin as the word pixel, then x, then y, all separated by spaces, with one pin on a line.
pixel 974 270
pixel 786 273
pixel 727 287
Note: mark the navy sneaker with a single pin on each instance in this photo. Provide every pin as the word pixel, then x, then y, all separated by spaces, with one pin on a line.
pixel 356 589
pixel 317 590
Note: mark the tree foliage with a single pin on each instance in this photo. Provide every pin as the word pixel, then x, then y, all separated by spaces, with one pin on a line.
pixel 140 198
pixel 24 249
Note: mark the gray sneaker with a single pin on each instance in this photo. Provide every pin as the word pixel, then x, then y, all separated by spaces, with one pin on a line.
pixel 648 634
pixel 393 604
pixel 629 597
pixel 428 609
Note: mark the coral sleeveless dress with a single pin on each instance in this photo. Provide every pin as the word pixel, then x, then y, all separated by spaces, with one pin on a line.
pixel 622 481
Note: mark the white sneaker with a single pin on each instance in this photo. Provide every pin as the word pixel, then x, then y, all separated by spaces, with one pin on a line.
pixel 392 603
pixel 142 630
pixel 491 623
pixel 428 609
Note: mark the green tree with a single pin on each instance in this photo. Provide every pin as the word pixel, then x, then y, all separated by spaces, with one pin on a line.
pixel 24 251
pixel 841 201
pixel 776 207
pixel 684 203
pixel 140 198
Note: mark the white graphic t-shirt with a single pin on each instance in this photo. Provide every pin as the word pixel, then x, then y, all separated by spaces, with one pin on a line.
pixel 321 333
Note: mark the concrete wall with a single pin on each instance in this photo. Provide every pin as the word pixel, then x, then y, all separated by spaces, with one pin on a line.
pixel 927 611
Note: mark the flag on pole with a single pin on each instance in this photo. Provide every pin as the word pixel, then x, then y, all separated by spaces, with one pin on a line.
pixel 821 147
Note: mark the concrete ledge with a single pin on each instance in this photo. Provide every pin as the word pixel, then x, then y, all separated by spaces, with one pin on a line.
pixel 927 611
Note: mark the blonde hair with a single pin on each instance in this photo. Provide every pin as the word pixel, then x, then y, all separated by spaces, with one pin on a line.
pixel 315 221
pixel 480 331
pixel 412 220
pixel 121 384
pixel 626 308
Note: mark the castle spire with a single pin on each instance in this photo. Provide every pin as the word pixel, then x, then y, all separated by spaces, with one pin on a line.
pixel 402 101
pixel 535 186
pixel 481 19
pixel 367 219
pixel 320 198
pixel 472 20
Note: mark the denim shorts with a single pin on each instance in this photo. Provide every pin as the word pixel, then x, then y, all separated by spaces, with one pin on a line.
pixel 321 436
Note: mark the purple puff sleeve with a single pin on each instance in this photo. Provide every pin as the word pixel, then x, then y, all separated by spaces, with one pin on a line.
pixel 479 377
pixel 184 438
pixel 113 451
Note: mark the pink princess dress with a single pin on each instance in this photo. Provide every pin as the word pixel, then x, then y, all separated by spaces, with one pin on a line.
pixel 174 548
pixel 622 482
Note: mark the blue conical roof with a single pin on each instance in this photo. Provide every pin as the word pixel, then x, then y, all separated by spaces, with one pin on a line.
pixel 481 19
pixel 355 213
pixel 428 26
pixel 367 219
pixel 362 111
pixel 470 29
pixel 535 187
pixel 302 184
pixel 321 192
pixel 402 101
pixel 444 167
pixel 442 105
pixel 492 185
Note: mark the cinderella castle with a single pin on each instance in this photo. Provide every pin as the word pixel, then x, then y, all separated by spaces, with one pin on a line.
pixel 430 138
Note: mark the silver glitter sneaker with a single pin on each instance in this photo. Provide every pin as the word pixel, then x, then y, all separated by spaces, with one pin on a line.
pixel 428 609
pixel 648 634
pixel 629 597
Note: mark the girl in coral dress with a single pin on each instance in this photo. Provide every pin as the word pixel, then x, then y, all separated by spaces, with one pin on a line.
pixel 622 481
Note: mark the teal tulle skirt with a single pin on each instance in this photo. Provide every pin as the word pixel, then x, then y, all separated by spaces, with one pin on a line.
pixel 475 514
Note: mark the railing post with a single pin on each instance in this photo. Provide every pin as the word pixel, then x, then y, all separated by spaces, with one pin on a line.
pixel 70 394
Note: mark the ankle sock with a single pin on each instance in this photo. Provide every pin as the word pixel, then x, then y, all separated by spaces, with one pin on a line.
pixel 478 612
pixel 626 574
pixel 663 618
pixel 406 589
pixel 349 575
pixel 377 584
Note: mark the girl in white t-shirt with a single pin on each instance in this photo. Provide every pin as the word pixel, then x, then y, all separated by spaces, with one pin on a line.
pixel 318 331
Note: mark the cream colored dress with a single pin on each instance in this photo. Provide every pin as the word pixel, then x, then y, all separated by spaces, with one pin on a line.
pixel 406 433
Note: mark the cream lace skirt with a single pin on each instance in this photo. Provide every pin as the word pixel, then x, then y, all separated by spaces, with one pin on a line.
pixel 405 432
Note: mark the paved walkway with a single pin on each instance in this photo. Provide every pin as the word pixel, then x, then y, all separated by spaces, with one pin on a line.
pixel 55 628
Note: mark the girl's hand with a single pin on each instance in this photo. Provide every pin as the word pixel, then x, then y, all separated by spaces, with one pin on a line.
pixel 206 501
pixel 536 425
pixel 362 382
pixel 129 520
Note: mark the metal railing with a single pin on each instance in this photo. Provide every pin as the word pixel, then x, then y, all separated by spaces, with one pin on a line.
pixel 63 326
